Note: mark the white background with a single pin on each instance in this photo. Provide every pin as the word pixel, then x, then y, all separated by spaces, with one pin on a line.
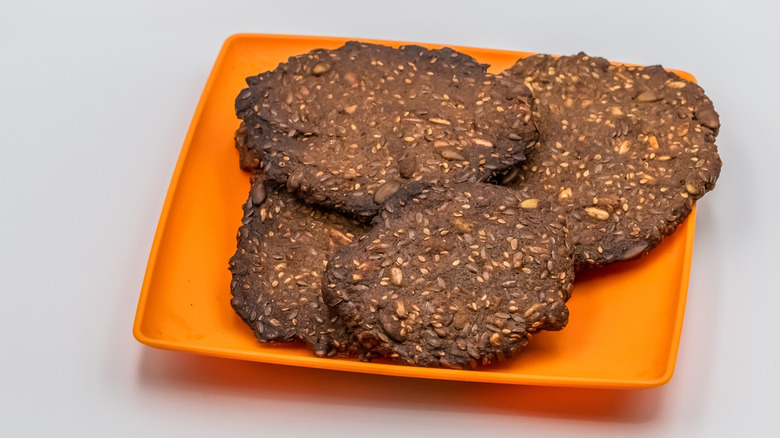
pixel 95 101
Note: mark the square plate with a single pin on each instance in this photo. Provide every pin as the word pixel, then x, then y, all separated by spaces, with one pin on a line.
pixel 625 321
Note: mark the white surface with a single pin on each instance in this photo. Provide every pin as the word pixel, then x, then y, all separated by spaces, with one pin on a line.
pixel 95 100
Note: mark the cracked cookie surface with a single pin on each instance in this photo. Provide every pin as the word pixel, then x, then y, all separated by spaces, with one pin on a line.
pixel 624 151
pixel 459 276
pixel 283 248
pixel 348 128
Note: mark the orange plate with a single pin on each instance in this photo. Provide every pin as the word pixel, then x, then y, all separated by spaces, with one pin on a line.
pixel 625 320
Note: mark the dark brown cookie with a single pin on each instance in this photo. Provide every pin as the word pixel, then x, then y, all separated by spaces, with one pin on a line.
pixel 625 151
pixel 347 128
pixel 283 247
pixel 457 277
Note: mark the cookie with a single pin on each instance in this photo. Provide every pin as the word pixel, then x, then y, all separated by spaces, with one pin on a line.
pixel 459 276
pixel 624 151
pixel 348 128
pixel 283 247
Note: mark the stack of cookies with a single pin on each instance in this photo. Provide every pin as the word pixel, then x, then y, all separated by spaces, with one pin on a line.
pixel 405 203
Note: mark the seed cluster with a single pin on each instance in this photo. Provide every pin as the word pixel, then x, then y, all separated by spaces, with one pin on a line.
pixel 624 151
pixel 283 247
pixel 460 276
pixel 348 128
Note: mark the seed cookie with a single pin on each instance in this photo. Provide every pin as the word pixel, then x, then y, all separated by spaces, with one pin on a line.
pixel 624 151
pixel 457 277
pixel 349 128
pixel 283 247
